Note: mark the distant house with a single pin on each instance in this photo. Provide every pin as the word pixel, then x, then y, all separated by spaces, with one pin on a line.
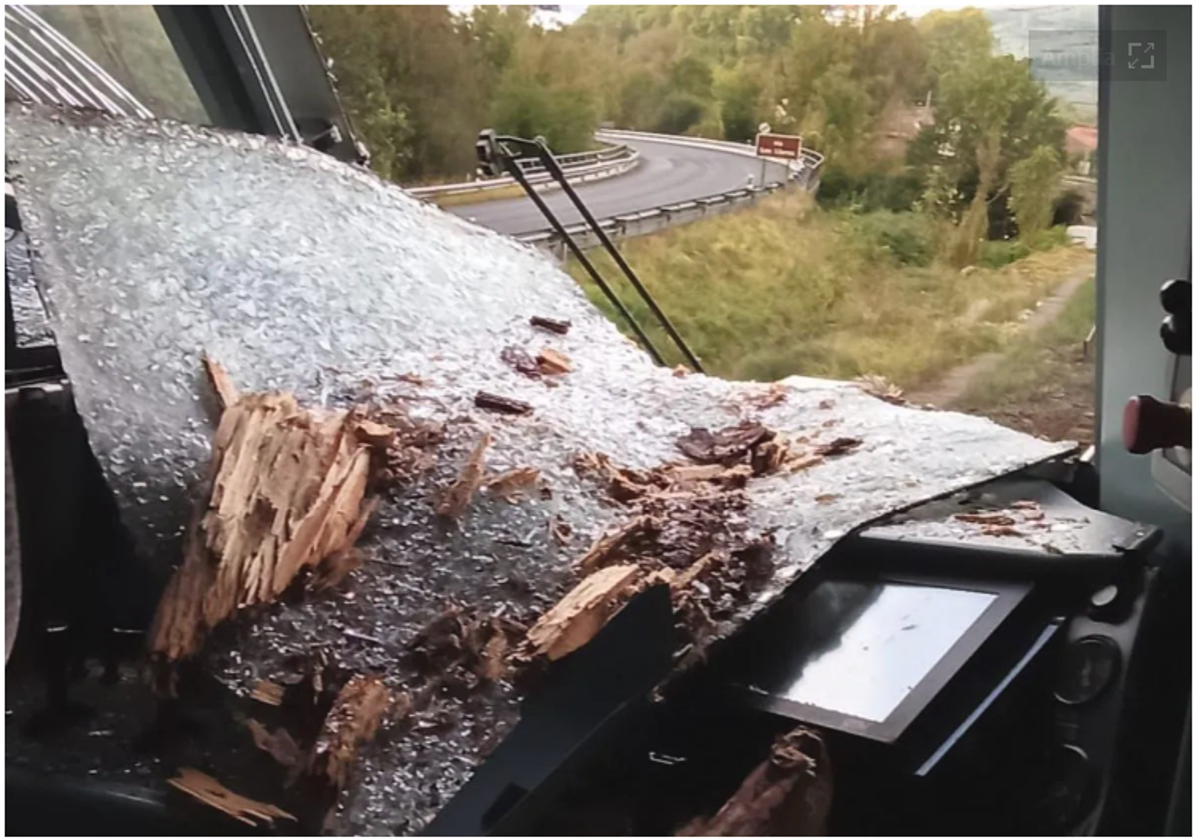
pixel 1080 145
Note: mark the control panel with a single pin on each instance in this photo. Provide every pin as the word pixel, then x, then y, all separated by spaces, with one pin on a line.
pixel 1162 429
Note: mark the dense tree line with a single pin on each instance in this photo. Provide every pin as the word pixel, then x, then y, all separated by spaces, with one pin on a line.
pixel 421 81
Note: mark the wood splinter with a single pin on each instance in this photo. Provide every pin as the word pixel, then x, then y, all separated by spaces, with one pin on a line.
pixel 221 382
pixel 508 485
pixel 268 692
pixel 579 616
pixel 353 720
pixel 550 362
pixel 459 495
pixel 208 790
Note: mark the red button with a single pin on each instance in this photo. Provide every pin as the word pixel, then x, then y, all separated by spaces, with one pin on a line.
pixel 1151 424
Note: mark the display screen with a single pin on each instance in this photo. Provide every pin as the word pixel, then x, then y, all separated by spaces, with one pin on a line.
pixel 865 646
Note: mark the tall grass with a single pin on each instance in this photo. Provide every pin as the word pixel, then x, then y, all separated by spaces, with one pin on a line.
pixel 782 289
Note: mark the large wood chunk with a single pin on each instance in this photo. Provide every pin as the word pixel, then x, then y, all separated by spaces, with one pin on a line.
pixel 287 493
pixel 576 619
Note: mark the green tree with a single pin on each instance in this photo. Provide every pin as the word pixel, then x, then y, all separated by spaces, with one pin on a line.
pixel 989 114
pixel 1035 183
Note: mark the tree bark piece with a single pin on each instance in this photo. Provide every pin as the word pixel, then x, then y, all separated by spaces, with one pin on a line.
pixel 578 617
pixel 208 790
pixel 352 721
pixel 287 492
pixel 501 405
pixel 787 795
pixel 724 446
pixel 551 324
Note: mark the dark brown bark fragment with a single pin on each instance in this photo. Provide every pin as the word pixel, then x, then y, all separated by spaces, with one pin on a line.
pixel 501 405
pixel 787 795
pixel 550 324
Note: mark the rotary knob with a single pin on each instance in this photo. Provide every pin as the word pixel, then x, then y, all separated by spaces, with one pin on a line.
pixel 1151 424
pixel 1176 329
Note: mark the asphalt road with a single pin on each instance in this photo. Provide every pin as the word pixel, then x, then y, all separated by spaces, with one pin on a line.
pixel 667 174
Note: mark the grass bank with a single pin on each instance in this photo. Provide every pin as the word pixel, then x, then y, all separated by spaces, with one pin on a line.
pixel 1043 384
pixel 783 288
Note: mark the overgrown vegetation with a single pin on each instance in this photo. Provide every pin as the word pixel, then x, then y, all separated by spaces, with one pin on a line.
pixel 938 195
pixel 421 81
pixel 785 288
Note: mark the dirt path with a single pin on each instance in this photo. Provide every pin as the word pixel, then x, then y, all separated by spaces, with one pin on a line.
pixel 955 383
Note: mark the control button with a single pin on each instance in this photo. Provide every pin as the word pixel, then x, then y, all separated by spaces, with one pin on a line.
pixel 1105 597
pixel 1176 297
pixel 1089 666
pixel 1151 424
pixel 1176 334
pixel 1071 790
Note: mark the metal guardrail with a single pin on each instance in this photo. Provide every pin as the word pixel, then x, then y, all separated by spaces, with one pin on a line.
pixel 805 175
pixel 653 220
pixel 595 165
pixel 809 159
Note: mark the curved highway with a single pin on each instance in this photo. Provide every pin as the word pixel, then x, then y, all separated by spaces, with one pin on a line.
pixel 668 174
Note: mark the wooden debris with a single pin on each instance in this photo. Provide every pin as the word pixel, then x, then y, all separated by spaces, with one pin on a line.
pixel 607 548
pixel 459 495
pixel 837 446
pixel 461 647
pixel 724 446
pixel 550 324
pixel 508 484
pixel 827 498
pixel 520 361
pixel 798 463
pixel 693 572
pixel 354 719
pixel 280 746
pixel 287 493
pixel 579 616
pixel 880 388
pixel 775 394
pixel 768 457
pixel 222 384
pixel 680 371
pixel 560 531
pixel 1000 531
pixel 550 362
pixel 208 790
pixel 268 692
pixel 995 519
pixel 787 795
pixel 501 405
pixel 375 434
pixel 1025 504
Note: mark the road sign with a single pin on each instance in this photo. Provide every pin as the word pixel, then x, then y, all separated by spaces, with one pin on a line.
pixel 785 146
